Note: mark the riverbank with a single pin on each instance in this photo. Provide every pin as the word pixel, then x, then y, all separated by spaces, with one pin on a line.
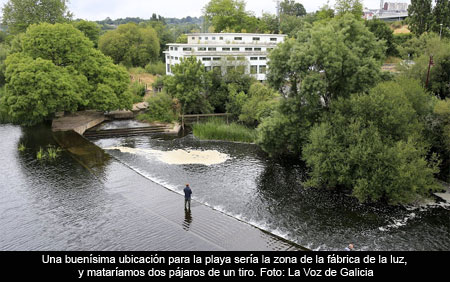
pixel 154 217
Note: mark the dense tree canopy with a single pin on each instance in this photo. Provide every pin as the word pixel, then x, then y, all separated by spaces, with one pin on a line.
pixel 231 16
pixel 354 7
pixel 90 29
pixel 131 45
pixel 420 16
pixel 58 69
pixel 292 8
pixel 20 14
pixel 332 59
pixel 189 84
pixel 372 144
pixel 439 80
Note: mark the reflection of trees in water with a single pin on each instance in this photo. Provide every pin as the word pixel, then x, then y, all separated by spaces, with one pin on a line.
pixel 280 186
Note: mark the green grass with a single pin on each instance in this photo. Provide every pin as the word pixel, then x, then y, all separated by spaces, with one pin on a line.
pixel 217 129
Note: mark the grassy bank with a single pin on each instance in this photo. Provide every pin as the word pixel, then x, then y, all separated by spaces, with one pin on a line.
pixel 217 129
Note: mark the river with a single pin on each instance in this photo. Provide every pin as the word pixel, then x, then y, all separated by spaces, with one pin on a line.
pixel 47 205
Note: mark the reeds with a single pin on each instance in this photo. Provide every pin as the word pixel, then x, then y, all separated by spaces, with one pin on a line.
pixel 218 129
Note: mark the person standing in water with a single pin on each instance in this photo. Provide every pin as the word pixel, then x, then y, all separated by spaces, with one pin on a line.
pixel 187 197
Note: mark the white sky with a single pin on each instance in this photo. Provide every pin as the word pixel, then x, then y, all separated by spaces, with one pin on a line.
pixel 100 9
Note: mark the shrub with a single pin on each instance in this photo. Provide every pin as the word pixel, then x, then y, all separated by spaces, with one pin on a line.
pixel 158 68
pixel 161 108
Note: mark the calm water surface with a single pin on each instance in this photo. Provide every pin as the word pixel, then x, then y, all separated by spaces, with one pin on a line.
pixel 62 206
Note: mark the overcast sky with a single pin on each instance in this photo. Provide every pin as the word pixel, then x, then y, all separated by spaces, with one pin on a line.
pixel 100 9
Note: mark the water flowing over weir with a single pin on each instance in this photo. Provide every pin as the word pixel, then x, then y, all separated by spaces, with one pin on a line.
pixel 268 194
pixel 89 200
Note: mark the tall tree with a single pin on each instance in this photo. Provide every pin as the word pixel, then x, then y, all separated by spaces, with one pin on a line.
pixel 189 84
pixel 59 70
pixel 131 45
pixel 372 144
pixel 441 18
pixel 229 15
pixel 90 29
pixel 331 60
pixel 19 14
pixel 292 8
pixel 354 7
pixel 420 16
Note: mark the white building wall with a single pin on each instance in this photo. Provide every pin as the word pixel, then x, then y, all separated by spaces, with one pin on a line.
pixel 225 50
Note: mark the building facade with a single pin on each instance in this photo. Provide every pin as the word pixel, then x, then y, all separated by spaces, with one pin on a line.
pixel 224 51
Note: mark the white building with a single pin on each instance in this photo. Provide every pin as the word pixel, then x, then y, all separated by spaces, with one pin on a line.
pixel 224 51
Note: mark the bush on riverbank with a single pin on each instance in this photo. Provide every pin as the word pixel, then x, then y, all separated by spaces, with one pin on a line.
pixel 161 108
pixel 217 129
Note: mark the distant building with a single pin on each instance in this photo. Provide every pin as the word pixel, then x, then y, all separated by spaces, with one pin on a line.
pixel 388 11
pixel 225 51
pixel 394 7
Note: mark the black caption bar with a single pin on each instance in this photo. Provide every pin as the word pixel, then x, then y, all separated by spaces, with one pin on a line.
pixel 209 265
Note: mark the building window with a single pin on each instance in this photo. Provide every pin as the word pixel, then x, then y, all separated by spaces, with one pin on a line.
pixel 238 38
pixel 168 68
pixel 199 38
pixel 217 68
pixel 187 49
pixel 256 38
pixel 171 57
pixel 193 38
pixel 240 58
pixel 171 48
pixel 176 48
pixel 262 58
pixel 231 58
pixel 236 49
pixel 248 49
pixel 253 58
pixel 201 48
pixel 253 69
pixel 216 59
pixel 257 49
pixel 212 49
pixel 220 38
pixel 206 59
pixel 206 38
pixel 207 68
pixel 225 49
pixel 176 58
pixel 262 69
pixel 273 39
pixel 213 38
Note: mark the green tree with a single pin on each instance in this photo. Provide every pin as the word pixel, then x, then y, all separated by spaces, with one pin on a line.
pixel 441 132
pixel 4 52
pixel 420 16
pixel 372 144
pixel 332 59
pixel 383 32
pixel 131 45
pixel 441 15
pixel 228 15
pixel 354 7
pixel 57 69
pixel 19 14
pixel 262 100
pixel 439 80
pixel 90 29
pixel 188 85
pixel 292 8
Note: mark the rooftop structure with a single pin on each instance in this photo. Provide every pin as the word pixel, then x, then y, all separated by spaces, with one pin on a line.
pixel 225 51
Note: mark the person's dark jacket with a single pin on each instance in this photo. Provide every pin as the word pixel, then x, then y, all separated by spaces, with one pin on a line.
pixel 187 193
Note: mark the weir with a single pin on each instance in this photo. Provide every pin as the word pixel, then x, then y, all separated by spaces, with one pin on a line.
pixel 201 229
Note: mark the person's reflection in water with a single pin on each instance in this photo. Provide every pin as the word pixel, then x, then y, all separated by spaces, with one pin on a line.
pixel 187 219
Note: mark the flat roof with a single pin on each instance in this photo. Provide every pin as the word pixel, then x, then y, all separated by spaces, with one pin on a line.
pixel 243 34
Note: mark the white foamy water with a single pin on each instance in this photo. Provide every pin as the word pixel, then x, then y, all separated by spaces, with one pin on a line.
pixel 178 157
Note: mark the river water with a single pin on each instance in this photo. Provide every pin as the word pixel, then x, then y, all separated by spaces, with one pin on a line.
pixel 38 210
